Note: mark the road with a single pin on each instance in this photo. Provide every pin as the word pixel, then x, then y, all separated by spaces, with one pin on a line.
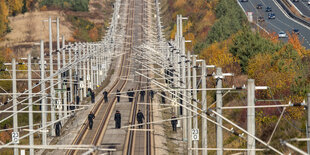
pixel 282 22
pixel 303 7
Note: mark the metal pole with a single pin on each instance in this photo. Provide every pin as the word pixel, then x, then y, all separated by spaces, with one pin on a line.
pixel 31 151
pixel 87 66
pixel 251 117
pixel 76 75
pixel 308 122
pixel 58 66
pixel 97 66
pixel 84 73
pixel 64 85
pixel 15 117
pixel 219 104
pixel 195 121
pixel 51 73
pixel 92 69
pixel 189 113
pixel 294 148
pixel 204 135
pixel 80 73
pixel 184 91
pixel 70 75
pixel 43 101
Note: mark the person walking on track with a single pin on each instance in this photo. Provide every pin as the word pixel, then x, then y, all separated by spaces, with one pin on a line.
pixel 105 96
pixel 142 93
pixel 174 123
pixel 140 118
pixel 117 119
pixel 118 95
pixel 57 128
pixel 91 117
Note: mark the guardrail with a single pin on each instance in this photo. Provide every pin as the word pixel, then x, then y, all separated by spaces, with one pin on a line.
pixel 291 14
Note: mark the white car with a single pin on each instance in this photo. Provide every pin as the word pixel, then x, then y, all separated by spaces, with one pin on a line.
pixel 308 2
pixel 282 34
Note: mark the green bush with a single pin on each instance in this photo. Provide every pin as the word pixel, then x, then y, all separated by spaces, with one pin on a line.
pixel 74 5
pixel 230 20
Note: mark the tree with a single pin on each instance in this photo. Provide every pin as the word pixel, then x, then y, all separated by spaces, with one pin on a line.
pixel 4 12
pixel 15 6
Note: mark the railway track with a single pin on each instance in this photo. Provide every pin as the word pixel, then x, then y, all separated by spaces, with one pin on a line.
pixel 103 111
pixel 97 109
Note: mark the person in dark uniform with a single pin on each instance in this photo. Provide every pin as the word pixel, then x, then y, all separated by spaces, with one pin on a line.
pixel 140 118
pixel 117 119
pixel 57 128
pixel 174 123
pixel 77 99
pixel 128 94
pixel 91 117
pixel 142 93
pixel 92 94
pixel 105 96
pixel 152 92
pixel 163 97
pixel 118 95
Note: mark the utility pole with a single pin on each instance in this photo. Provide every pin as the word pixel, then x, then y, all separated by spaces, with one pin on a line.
pixel 183 85
pixel 308 122
pixel 52 102
pixel 43 100
pixel 219 104
pixel 80 73
pixel 59 75
pixel 15 117
pixel 70 74
pixel 84 72
pixel 251 117
pixel 195 121
pixel 64 84
pixel 204 131
pixel 30 114
pixel 88 67
pixel 189 100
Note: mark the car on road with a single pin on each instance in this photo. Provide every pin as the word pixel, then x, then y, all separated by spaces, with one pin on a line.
pixel 296 31
pixel 308 2
pixel 282 34
pixel 259 6
pixel 260 19
pixel 271 16
pixel 268 9
pixel 244 0
pixel 295 0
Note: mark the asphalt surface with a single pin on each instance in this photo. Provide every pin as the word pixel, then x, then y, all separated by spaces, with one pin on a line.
pixel 282 21
pixel 303 7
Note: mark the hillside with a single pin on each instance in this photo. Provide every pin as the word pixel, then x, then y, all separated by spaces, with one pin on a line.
pixel 222 36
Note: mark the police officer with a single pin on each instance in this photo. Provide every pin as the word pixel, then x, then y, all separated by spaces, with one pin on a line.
pixel 117 119
pixel 92 94
pixel 118 95
pixel 174 123
pixel 140 118
pixel 57 128
pixel 152 92
pixel 142 93
pixel 77 100
pixel 91 116
pixel 163 97
pixel 105 96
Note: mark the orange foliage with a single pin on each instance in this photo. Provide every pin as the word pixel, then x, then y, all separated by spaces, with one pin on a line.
pixel 93 34
pixel 273 37
pixel 297 45
pixel 218 54
pixel 43 8
pixel 5 136
pixel 179 3
pixel 15 6
pixel 190 36
pixel 8 54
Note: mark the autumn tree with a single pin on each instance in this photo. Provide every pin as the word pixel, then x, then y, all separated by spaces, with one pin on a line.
pixel 4 12
pixel 15 6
